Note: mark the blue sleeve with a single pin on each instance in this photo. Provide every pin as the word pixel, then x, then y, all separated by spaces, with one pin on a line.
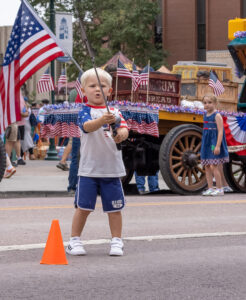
pixel 84 116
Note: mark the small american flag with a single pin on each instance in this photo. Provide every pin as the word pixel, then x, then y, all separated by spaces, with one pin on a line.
pixel 122 71
pixel 62 80
pixel 144 76
pixel 215 84
pixel 45 83
pixel 135 77
pixel 78 85
pixel 31 46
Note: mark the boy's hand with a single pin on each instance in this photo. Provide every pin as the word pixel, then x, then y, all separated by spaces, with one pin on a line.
pixel 108 118
pixel 217 150
pixel 122 134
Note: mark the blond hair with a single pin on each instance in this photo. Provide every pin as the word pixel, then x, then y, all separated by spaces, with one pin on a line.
pixel 91 72
pixel 211 97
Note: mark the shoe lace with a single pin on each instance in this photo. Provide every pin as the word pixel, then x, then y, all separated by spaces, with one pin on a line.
pixel 76 243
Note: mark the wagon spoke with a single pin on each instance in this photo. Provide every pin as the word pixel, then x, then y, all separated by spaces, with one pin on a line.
pixel 200 169
pixel 237 163
pixel 176 157
pixel 177 150
pixel 195 174
pixel 180 171
pixel 184 176
pixel 198 146
pixel 177 165
pixel 192 142
pixel 189 177
pixel 239 179
pixel 236 171
pixel 181 145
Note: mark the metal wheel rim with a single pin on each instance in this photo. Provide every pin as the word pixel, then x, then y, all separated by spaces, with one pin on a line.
pixel 188 179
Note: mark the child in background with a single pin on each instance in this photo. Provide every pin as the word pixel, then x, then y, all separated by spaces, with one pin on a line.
pixel 101 165
pixel 214 148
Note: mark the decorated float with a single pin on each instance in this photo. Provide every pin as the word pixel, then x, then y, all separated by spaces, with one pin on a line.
pixel 165 131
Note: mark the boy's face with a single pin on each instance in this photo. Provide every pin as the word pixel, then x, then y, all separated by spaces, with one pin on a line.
pixel 93 92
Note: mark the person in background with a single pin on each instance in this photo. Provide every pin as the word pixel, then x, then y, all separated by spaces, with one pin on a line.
pixel 152 183
pixel 10 170
pixel 214 150
pixel 27 142
pixel 63 162
pixel 17 134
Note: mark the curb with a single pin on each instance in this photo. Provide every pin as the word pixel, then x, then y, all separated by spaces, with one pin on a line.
pixel 36 194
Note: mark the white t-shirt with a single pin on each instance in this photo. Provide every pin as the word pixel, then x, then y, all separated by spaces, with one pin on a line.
pixel 99 156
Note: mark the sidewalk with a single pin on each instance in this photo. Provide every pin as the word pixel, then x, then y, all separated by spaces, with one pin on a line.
pixel 36 178
pixel 41 178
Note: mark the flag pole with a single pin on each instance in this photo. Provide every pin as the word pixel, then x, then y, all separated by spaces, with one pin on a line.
pixel 132 81
pixel 147 100
pixel 116 84
pixel 66 79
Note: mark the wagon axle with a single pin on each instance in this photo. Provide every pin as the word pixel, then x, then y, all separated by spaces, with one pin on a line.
pixel 189 159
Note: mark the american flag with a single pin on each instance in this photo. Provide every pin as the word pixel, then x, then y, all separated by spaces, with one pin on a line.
pixel 62 80
pixel 215 84
pixel 45 83
pixel 144 76
pixel 122 71
pixel 31 46
pixel 135 77
pixel 78 85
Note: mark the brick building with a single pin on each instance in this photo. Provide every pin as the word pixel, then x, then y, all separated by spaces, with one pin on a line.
pixel 193 28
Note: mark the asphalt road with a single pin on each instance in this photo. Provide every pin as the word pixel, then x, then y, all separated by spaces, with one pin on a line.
pixel 176 247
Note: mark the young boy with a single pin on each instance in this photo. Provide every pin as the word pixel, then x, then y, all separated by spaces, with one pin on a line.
pixel 101 164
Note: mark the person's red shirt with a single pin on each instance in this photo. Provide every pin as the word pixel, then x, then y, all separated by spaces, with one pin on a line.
pixel 79 100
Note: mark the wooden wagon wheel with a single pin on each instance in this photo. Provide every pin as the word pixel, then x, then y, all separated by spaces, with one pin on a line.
pixel 179 160
pixel 2 159
pixel 235 174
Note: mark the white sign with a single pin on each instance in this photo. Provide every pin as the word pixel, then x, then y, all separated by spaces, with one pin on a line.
pixel 64 31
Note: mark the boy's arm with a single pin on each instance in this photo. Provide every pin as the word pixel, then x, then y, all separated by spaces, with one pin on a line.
pixel 93 125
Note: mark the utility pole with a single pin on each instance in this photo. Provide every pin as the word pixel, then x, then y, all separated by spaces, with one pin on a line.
pixel 52 153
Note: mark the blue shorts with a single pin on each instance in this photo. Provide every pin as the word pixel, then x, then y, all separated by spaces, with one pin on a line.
pixel 110 189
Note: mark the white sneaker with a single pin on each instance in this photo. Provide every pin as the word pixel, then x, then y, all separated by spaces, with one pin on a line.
pixel 218 192
pixel 208 192
pixel 75 247
pixel 116 247
pixel 227 189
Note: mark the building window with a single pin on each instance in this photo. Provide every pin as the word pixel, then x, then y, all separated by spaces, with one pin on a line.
pixel 201 30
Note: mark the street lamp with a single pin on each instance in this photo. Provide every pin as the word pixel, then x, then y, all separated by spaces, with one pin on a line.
pixel 52 153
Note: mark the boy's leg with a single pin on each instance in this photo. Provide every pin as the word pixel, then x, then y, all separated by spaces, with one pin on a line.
pixel 115 223
pixel 75 246
pixel 79 220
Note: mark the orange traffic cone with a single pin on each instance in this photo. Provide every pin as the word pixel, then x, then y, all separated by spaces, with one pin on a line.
pixel 54 253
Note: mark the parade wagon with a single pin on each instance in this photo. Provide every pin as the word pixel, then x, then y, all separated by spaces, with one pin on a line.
pixel 164 135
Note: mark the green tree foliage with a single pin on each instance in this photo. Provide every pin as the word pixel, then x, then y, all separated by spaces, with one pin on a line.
pixel 112 26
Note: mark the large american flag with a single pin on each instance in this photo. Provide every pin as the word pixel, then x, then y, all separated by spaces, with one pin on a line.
pixel 135 77
pixel 31 46
pixel 122 71
pixel 62 80
pixel 144 76
pixel 45 83
pixel 215 84
pixel 78 85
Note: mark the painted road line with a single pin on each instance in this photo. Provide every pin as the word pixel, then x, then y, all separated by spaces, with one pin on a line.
pixel 137 204
pixel 135 238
